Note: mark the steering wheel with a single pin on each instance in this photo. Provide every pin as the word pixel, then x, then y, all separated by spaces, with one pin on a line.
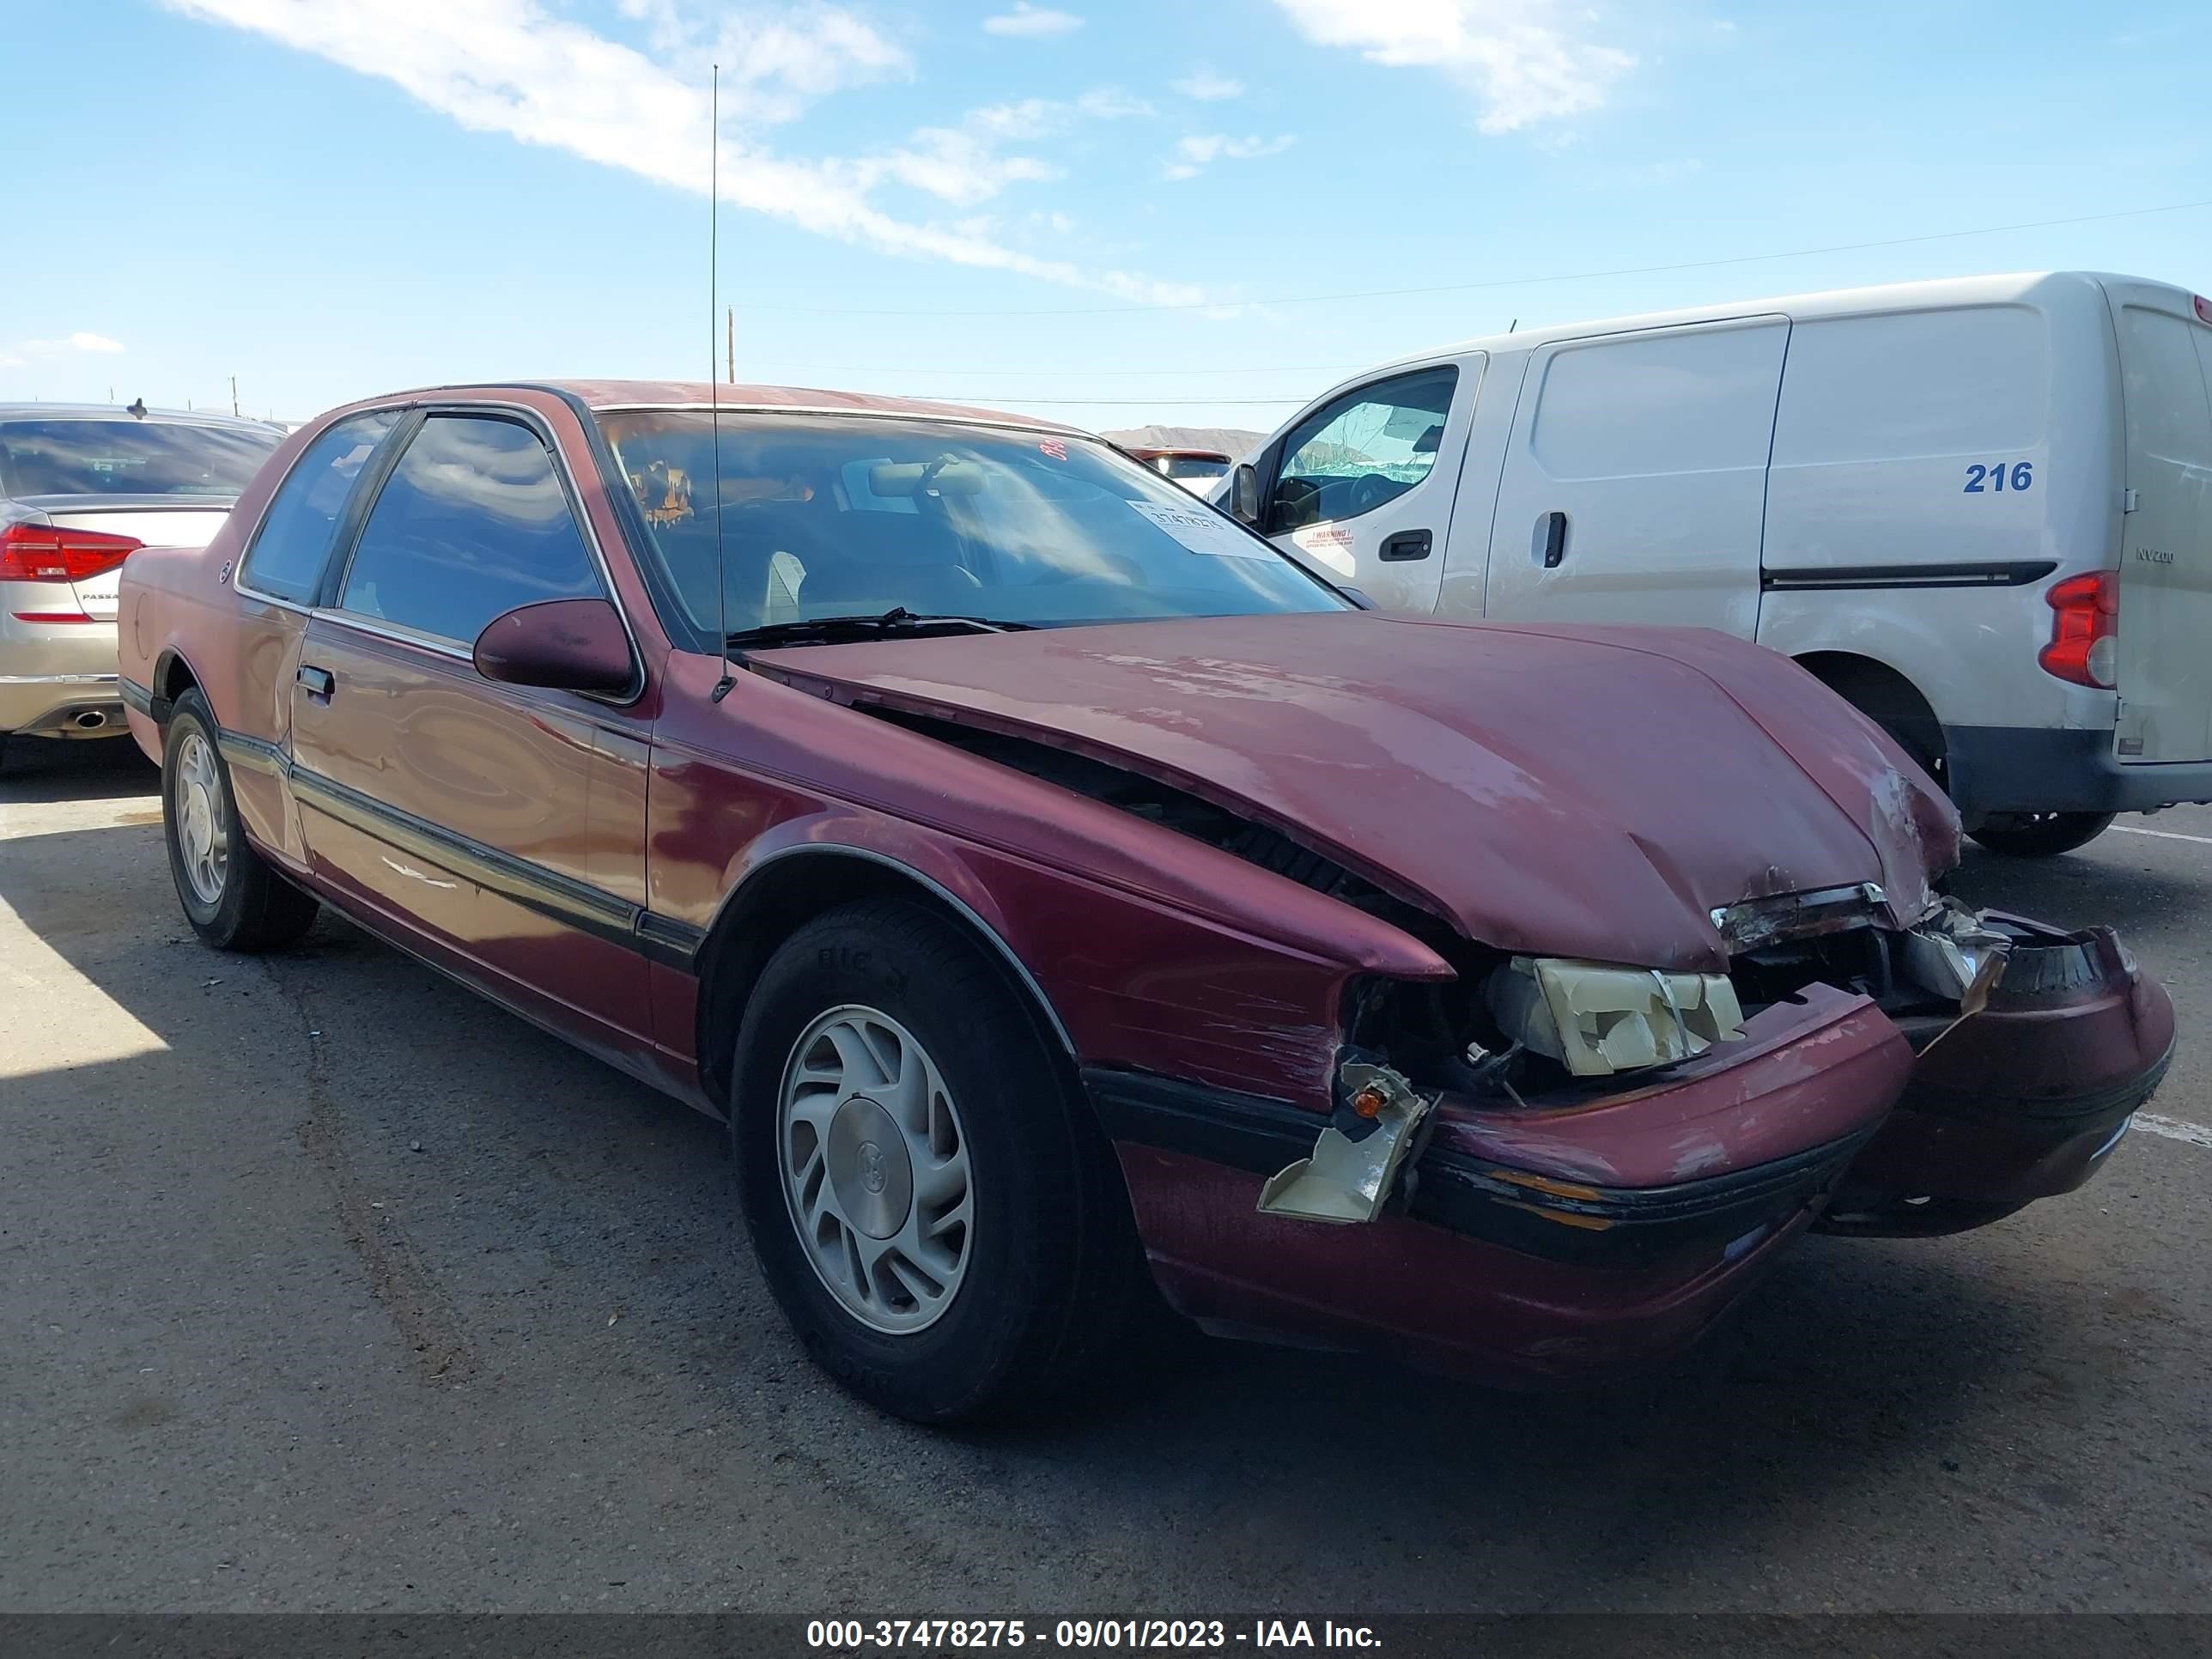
pixel 1370 491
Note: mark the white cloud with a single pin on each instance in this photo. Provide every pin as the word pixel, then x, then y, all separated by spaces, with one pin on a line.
pixel 953 165
pixel 1193 154
pixel 512 67
pixel 1041 117
pixel 1526 60
pixel 1208 87
pixel 1031 22
pixel 83 340
pixel 1112 104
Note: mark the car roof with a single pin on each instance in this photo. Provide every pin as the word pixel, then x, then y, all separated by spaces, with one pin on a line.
pixel 36 411
pixel 745 399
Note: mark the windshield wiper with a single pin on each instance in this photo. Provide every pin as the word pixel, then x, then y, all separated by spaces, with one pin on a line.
pixel 823 630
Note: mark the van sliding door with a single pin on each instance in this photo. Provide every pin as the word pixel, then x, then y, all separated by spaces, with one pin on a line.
pixel 1635 479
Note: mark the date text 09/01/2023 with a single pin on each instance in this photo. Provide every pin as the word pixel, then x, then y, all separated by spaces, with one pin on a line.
pixel 858 1635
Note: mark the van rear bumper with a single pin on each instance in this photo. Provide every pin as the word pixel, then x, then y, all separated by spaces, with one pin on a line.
pixel 2027 769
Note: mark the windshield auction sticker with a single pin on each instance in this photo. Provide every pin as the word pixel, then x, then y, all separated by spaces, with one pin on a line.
pixel 1204 533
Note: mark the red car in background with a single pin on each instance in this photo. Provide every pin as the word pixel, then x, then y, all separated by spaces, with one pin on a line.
pixel 1049 881
pixel 1196 469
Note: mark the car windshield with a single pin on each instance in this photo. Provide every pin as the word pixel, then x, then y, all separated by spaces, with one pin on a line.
pixel 126 456
pixel 841 516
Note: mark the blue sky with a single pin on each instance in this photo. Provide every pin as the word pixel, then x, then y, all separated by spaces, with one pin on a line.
pixel 1097 211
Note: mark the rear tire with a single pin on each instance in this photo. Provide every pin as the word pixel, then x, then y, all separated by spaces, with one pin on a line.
pixel 936 1293
pixel 2042 835
pixel 233 898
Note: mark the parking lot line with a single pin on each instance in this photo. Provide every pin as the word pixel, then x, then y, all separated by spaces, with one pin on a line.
pixel 2197 1134
pixel 2163 835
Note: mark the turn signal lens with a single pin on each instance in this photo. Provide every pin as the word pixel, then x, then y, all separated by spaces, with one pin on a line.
pixel 1370 1101
pixel 2085 630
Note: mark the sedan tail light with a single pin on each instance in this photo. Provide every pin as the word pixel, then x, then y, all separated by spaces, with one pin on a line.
pixel 48 553
pixel 2085 630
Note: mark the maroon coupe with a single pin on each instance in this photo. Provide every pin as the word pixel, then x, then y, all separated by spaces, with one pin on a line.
pixel 1049 881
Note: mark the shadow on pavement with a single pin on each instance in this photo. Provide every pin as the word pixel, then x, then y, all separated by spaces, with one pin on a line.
pixel 40 771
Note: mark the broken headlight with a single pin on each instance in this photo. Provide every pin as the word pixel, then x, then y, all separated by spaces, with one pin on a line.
pixel 1596 1019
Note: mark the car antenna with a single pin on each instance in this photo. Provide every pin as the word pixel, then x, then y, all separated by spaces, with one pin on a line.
pixel 713 395
pixel 137 408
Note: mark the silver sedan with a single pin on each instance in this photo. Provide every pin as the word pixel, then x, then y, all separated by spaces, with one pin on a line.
pixel 81 487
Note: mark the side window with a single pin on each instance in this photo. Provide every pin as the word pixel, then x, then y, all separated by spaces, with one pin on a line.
pixel 472 522
pixel 1360 450
pixel 285 560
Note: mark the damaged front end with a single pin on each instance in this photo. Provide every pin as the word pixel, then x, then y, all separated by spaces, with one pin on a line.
pixel 2031 1047
pixel 1536 1122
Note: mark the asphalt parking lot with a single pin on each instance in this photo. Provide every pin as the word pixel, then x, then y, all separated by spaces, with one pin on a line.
pixel 330 1287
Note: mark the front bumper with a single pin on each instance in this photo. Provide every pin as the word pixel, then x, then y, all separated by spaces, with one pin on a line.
pixel 1534 1246
pixel 2023 1101
pixel 1568 1238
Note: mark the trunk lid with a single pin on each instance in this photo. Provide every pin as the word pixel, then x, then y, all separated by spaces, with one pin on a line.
pixel 155 520
pixel 2165 667
pixel 1591 792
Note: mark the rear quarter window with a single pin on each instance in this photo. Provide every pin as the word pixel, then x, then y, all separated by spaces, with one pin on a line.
pixel 286 561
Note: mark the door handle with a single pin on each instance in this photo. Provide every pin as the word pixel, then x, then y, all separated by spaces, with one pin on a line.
pixel 1555 539
pixel 1406 544
pixel 319 682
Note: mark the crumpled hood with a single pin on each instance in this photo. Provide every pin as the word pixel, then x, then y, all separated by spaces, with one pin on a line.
pixel 1589 792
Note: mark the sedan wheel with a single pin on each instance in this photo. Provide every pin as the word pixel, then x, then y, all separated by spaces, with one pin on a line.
pixel 202 826
pixel 233 898
pixel 875 1169
pixel 932 1203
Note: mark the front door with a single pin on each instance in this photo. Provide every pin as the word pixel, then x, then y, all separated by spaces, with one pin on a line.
pixel 1634 488
pixel 489 824
pixel 1363 491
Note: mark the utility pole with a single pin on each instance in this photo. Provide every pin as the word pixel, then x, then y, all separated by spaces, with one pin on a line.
pixel 732 318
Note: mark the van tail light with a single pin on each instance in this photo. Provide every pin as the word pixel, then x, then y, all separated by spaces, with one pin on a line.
pixel 2085 630
pixel 48 553
pixel 2204 308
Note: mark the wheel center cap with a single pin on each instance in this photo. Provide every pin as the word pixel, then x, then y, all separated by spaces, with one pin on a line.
pixel 870 1169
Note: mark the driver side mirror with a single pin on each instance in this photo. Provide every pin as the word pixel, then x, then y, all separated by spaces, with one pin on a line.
pixel 567 645
pixel 1244 494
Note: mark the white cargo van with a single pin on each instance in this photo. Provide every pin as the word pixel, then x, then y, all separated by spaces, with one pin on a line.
pixel 1980 509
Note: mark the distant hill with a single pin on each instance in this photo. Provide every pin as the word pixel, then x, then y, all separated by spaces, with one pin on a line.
pixel 1228 440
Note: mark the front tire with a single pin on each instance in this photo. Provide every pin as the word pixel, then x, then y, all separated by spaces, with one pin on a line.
pixel 232 896
pixel 936 1212
pixel 2042 835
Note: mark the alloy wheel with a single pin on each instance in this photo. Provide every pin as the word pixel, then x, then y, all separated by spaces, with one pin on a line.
pixel 203 825
pixel 875 1169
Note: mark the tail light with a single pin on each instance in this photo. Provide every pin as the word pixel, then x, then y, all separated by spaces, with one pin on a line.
pixel 2085 630
pixel 48 553
pixel 2204 308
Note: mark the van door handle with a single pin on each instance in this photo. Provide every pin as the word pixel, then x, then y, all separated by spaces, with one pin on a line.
pixel 1555 539
pixel 319 682
pixel 1406 544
